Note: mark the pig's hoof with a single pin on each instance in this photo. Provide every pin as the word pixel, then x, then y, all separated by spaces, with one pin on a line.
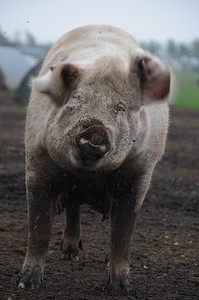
pixel 118 283
pixel 71 250
pixel 29 280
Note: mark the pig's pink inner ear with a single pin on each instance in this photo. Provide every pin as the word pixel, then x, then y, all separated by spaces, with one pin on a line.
pixel 154 77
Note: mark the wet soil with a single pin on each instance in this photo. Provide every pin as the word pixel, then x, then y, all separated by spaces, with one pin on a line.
pixel 165 247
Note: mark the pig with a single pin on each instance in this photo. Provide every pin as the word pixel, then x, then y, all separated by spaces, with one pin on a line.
pixel 96 126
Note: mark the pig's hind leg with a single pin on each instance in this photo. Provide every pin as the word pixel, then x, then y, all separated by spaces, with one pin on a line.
pixel 71 242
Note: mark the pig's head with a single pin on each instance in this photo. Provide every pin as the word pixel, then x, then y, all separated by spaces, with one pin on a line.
pixel 97 115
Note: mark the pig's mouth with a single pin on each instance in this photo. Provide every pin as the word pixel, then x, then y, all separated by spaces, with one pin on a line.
pixel 92 143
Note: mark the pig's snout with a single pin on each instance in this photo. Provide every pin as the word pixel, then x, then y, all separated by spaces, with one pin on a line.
pixel 93 143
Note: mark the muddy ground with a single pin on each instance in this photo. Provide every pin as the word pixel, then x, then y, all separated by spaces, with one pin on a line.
pixel 165 248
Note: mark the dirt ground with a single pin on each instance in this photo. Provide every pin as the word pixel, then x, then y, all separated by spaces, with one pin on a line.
pixel 165 247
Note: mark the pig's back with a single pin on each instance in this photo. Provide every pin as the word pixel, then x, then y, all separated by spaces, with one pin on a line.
pixel 87 44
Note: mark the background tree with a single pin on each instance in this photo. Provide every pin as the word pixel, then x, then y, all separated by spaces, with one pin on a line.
pixel 195 48
pixel 152 46
pixel 172 49
pixel 30 39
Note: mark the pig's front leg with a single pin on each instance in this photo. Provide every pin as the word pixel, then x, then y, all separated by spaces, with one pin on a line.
pixel 41 211
pixel 123 216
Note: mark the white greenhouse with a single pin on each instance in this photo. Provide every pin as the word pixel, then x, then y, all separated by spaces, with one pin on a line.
pixel 15 65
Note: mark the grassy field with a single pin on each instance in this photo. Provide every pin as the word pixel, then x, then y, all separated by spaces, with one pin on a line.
pixel 187 90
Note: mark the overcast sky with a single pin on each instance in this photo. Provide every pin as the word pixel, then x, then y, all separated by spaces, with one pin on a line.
pixel 144 19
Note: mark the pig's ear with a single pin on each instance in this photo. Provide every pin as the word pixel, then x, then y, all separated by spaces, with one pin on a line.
pixel 58 81
pixel 154 77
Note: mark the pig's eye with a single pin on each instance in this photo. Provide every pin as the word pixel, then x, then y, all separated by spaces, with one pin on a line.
pixel 121 107
pixel 77 98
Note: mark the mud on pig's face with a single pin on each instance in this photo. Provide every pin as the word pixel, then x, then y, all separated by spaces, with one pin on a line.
pixel 94 122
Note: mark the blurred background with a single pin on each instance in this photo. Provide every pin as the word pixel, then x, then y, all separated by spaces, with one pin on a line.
pixel 169 29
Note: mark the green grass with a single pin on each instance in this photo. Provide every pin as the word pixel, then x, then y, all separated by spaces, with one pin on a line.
pixel 187 90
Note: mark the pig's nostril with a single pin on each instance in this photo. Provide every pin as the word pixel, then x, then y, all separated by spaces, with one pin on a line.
pixel 83 141
pixel 93 143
